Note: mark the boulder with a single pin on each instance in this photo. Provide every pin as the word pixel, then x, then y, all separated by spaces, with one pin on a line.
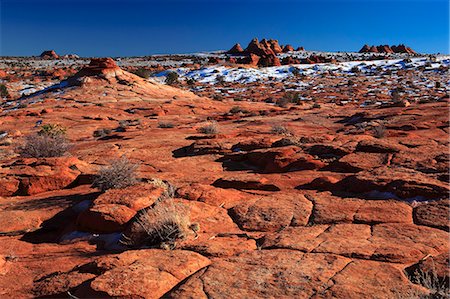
pixel 433 214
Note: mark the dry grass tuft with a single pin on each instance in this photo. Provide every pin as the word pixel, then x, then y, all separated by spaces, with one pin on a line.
pixel 162 225
pixel 119 174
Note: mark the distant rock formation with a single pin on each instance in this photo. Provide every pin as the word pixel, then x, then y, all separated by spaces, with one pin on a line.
pixel 387 49
pixel 49 54
pixel 98 67
pixel 288 48
pixel 236 49
pixel 262 53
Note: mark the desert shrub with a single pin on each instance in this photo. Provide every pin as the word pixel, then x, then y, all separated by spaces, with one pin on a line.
pixel 292 97
pixel 161 226
pixel 210 128
pixel 44 146
pixel 169 189
pixel 396 95
pixel 52 130
pixel 129 123
pixel 437 85
pixel 4 91
pixel 237 109
pixel 190 81
pixel 220 79
pixel 316 106
pixel 355 70
pixel 102 132
pixel 295 71
pixel 120 173
pixel 172 78
pixel 379 131
pixel 285 141
pixel 142 72
pixel 280 130
pixel 282 102
pixel 437 288
pixel 166 125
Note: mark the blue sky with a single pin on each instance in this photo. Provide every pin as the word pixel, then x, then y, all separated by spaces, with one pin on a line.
pixel 138 27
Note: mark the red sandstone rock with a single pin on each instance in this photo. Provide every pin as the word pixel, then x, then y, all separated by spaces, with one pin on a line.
pixel 105 218
pixel 49 54
pixel 434 214
pixel 288 48
pixel 236 49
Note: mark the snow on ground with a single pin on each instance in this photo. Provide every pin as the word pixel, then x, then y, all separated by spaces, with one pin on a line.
pixel 213 74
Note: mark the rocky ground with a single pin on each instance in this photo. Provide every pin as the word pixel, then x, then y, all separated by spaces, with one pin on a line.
pixel 329 182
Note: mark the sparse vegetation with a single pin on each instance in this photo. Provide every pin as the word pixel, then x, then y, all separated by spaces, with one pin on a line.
pixel 44 146
pixel 172 78
pixel 437 288
pixel 355 70
pixel 211 128
pixel 4 91
pixel 282 102
pixel 280 130
pixel 102 132
pixel 120 173
pixel 295 71
pixel 50 141
pixel 143 73
pixel 166 125
pixel 379 131
pixel 52 130
pixel 161 226
pixel 237 109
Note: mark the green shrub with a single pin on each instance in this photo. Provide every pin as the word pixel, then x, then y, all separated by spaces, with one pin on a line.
pixel 172 78
pixel 4 91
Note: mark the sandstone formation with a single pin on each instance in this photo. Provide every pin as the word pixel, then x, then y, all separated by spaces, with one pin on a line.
pixel 272 184
pixel 49 54
pixel 387 49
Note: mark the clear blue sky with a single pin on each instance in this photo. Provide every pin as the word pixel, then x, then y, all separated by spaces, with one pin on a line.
pixel 138 27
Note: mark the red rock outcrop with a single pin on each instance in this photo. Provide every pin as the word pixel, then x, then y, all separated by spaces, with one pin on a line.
pixel 288 48
pixel 49 54
pixel 236 49
pixel 387 49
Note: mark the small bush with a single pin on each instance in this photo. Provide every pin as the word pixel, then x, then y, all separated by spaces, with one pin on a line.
pixel 121 173
pixel 190 81
pixel 4 91
pixel 143 73
pixel 44 146
pixel 437 85
pixel 102 132
pixel 379 131
pixel 129 123
pixel 396 95
pixel 316 106
pixel 211 128
pixel 166 125
pixel 237 109
pixel 280 130
pixel 52 130
pixel 296 71
pixel 172 78
pixel 355 70
pixel 282 102
pixel 169 189
pixel 161 226
pixel 293 97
